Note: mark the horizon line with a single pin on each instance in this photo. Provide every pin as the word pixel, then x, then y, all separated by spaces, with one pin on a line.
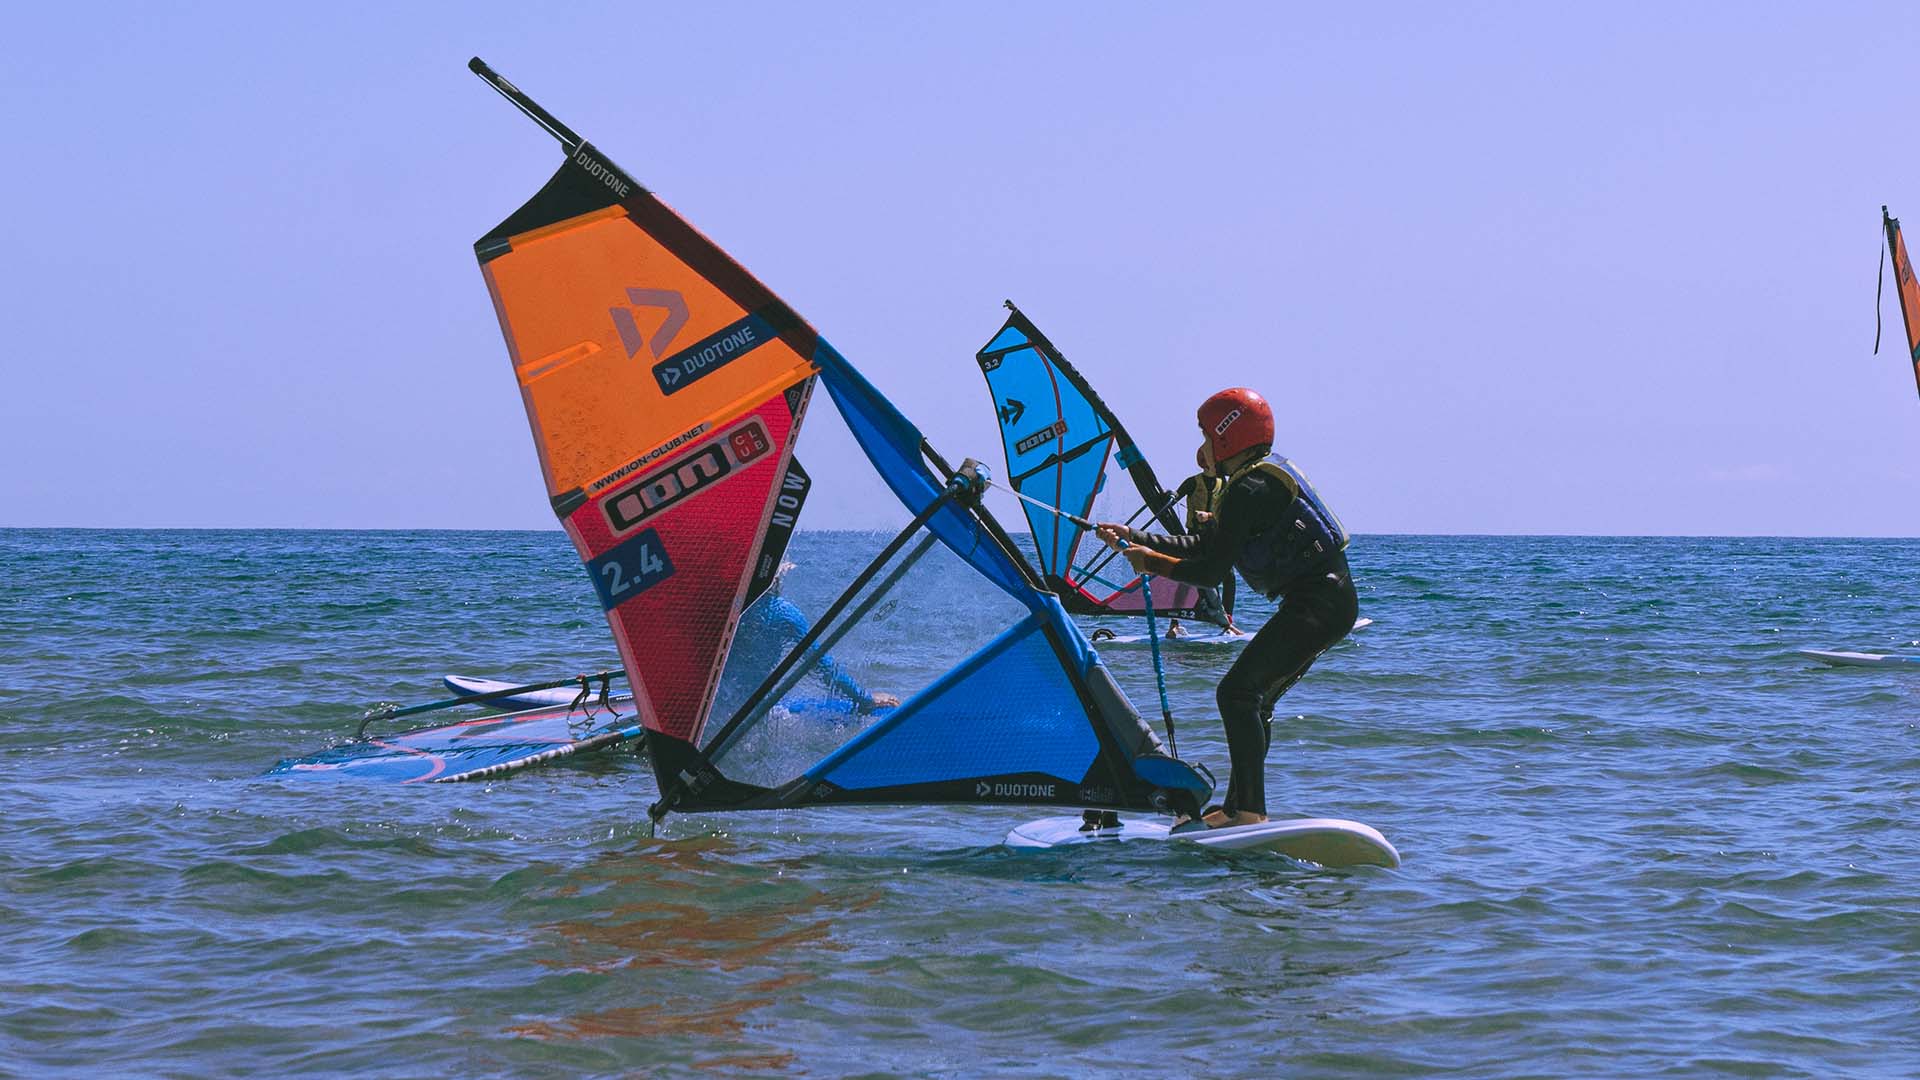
pixel 883 531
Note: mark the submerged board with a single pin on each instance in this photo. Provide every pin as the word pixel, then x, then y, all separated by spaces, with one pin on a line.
pixel 1326 841
pixel 468 749
pixel 1210 635
pixel 826 708
pixel 1860 659
pixel 557 697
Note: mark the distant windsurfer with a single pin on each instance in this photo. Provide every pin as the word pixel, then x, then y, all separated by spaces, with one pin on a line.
pixel 1270 525
pixel 772 626
pixel 1201 494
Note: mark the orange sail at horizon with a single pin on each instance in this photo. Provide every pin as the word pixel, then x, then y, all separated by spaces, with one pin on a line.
pixel 1906 288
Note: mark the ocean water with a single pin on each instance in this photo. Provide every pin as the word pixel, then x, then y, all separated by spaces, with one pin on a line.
pixel 1641 837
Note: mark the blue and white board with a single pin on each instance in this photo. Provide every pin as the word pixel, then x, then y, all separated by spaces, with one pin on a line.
pixel 1326 841
pixel 826 708
pixel 468 749
pixel 1860 659
pixel 559 696
pixel 1206 635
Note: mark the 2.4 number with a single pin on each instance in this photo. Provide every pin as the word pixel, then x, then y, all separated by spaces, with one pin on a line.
pixel 618 582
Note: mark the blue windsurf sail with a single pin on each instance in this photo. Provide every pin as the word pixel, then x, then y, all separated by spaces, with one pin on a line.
pixel 1059 438
pixel 1031 716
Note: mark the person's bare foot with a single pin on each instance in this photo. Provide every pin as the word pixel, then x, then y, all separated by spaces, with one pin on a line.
pixel 1222 819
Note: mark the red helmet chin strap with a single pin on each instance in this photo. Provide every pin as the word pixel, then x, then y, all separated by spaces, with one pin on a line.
pixel 1235 421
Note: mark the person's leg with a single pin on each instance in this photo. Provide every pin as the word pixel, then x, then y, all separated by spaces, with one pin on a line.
pixel 1268 660
pixel 1307 623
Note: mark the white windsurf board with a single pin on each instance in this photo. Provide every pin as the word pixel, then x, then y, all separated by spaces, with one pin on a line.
pixel 561 696
pixel 1860 659
pixel 1327 841
pixel 1212 635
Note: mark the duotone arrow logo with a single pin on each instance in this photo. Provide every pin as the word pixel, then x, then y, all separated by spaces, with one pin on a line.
pixel 666 300
pixel 1010 413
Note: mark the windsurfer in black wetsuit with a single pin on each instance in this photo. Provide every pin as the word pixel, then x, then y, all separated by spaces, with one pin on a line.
pixel 1201 493
pixel 1269 524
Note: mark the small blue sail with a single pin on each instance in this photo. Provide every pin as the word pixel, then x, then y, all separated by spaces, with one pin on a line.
pixel 1059 437
pixel 1057 443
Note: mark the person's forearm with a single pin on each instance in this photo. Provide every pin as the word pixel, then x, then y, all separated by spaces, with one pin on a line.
pixel 841 683
pixel 1155 562
pixel 1200 571
pixel 1195 571
pixel 1173 545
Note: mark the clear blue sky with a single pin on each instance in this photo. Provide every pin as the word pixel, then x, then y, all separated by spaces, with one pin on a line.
pixel 1504 268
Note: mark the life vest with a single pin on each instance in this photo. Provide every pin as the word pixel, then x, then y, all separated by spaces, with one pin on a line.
pixel 1307 537
pixel 1203 497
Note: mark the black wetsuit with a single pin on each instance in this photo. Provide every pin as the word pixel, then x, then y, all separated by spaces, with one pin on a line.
pixel 1318 607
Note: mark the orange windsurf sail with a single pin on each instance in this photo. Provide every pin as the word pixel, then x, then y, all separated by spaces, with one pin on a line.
pixel 1907 289
pixel 665 387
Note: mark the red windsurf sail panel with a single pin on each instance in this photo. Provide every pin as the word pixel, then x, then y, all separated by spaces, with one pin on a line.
pixel 665 387
pixel 1908 290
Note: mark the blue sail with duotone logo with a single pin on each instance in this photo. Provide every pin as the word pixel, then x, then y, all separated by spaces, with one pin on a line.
pixel 1059 438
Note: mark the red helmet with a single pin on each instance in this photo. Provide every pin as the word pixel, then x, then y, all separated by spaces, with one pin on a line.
pixel 1235 421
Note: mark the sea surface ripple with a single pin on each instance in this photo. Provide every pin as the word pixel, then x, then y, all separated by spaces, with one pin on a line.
pixel 1642 837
